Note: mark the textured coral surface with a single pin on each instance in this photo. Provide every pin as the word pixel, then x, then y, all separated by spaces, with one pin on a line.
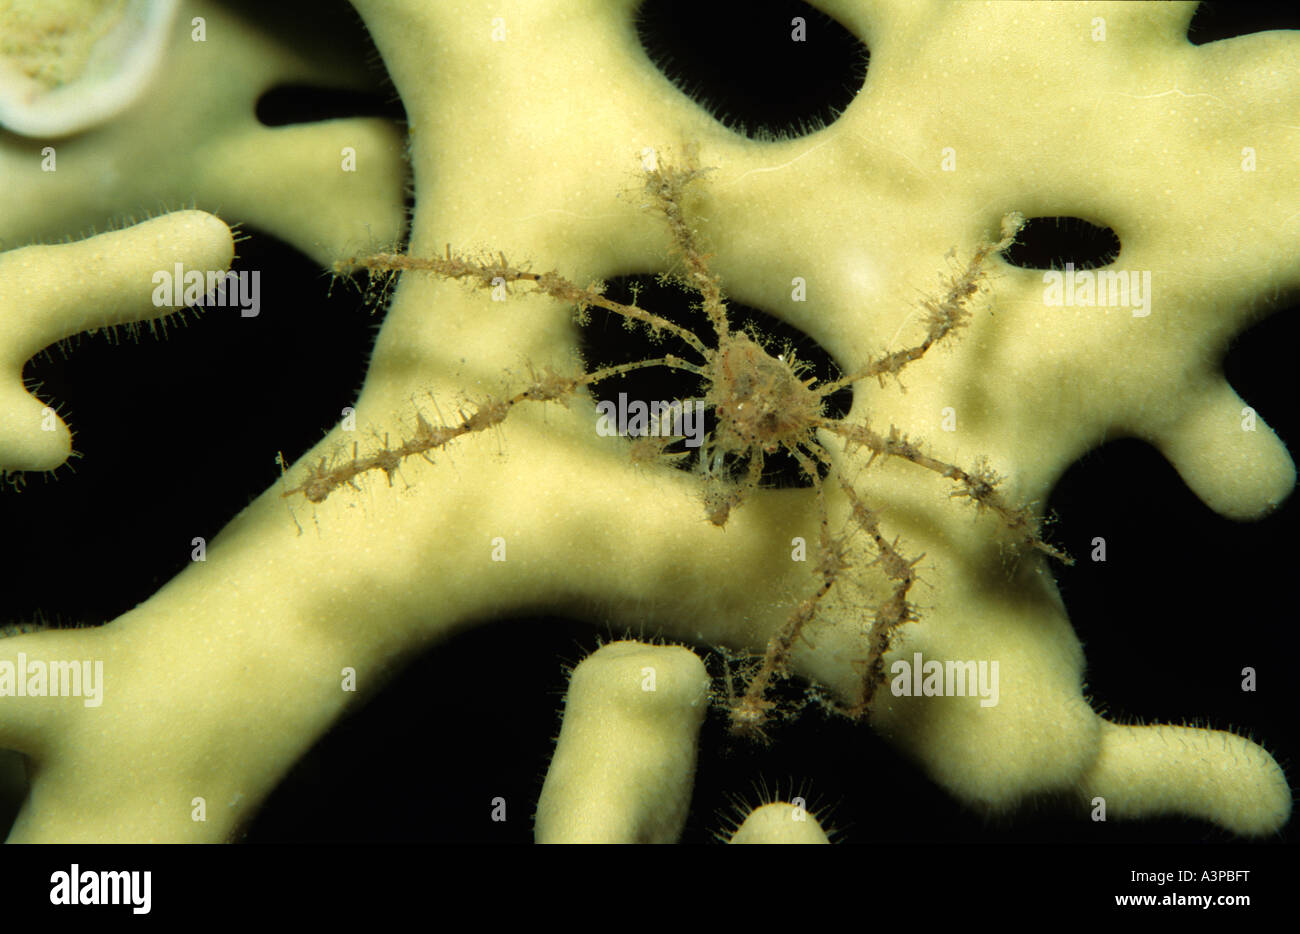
pixel 527 135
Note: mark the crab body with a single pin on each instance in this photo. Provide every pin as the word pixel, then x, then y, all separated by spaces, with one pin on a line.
pixel 759 399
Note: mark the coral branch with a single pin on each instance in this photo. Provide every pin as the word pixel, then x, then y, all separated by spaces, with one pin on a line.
pixel 625 760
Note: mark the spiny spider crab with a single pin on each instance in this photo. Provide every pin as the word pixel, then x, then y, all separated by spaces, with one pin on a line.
pixel 762 403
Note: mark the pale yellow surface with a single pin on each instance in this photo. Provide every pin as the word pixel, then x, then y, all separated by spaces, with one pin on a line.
pixel 625 758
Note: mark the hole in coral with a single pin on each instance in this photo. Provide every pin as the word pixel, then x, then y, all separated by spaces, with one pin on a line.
pixel 298 103
pixel 332 41
pixel 1051 242
pixel 769 69
pixel 606 342
pixel 1215 21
